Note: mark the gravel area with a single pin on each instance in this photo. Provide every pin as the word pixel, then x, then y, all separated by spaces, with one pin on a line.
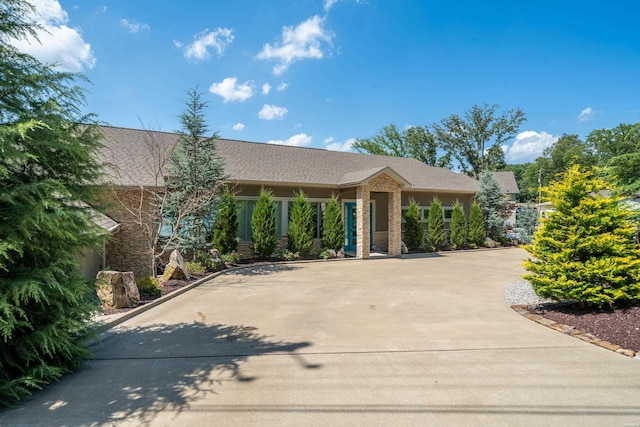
pixel 521 293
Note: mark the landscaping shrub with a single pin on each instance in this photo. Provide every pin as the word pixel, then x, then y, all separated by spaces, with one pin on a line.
pixel 195 267
pixel 263 225
pixel 232 258
pixel 333 225
pixel 585 250
pixel 301 227
pixel 476 233
pixel 149 286
pixel 457 227
pixel 207 261
pixel 226 224
pixel 413 230
pixel 325 254
pixel 287 255
pixel 435 225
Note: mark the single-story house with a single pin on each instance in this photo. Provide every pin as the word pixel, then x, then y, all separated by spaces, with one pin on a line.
pixel 373 189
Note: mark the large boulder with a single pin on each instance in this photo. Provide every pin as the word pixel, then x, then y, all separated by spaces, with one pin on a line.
pixel 403 248
pixel 117 289
pixel 176 268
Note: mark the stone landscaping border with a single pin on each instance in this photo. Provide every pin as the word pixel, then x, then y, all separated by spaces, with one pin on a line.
pixel 570 330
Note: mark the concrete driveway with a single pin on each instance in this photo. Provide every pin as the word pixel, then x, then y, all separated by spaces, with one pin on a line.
pixel 413 341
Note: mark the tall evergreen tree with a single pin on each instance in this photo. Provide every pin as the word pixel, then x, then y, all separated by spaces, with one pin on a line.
pixel 48 169
pixel 301 227
pixel 264 229
pixel 585 251
pixel 493 203
pixel 413 230
pixel 476 233
pixel 457 227
pixel 226 224
pixel 333 225
pixel 435 225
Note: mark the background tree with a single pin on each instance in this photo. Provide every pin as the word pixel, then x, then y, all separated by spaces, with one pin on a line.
pixel 526 220
pixel 559 157
pixel 477 233
pixel 585 251
pixel 481 128
pixel 414 230
pixel 415 142
pixel 48 170
pixel 263 225
pixel 195 178
pixel 493 203
pixel 226 224
pixel 457 227
pixel 333 225
pixel 435 225
pixel 301 227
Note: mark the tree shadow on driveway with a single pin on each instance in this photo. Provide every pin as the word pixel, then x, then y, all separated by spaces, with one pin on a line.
pixel 138 373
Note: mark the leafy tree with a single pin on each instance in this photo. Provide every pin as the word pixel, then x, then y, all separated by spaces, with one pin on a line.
pixel 585 251
pixel 264 229
pixel 226 224
pixel 457 227
pixel 493 203
pixel 559 157
pixel 477 232
pixel 48 173
pixel 333 225
pixel 467 138
pixel 415 142
pixel 301 227
pixel 435 225
pixel 414 230
pixel 195 177
pixel 494 158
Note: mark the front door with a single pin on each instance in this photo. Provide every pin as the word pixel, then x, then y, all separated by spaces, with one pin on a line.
pixel 351 225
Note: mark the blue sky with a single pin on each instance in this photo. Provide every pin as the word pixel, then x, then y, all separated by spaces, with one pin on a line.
pixel 319 73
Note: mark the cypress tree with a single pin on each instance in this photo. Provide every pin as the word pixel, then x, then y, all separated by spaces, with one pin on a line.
pixel 333 225
pixel 301 232
pixel 435 225
pixel 414 230
pixel 585 251
pixel 225 226
pixel 263 225
pixel 457 227
pixel 476 234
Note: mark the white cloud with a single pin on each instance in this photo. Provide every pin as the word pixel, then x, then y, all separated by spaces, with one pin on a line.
pixel 230 90
pixel 238 126
pixel 58 43
pixel 133 26
pixel 304 41
pixel 332 145
pixel 528 145
pixel 299 140
pixel 266 88
pixel 282 86
pixel 271 112
pixel 218 39
pixel 586 115
pixel 328 4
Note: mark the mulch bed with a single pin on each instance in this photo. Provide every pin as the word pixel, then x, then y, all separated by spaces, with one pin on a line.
pixel 621 326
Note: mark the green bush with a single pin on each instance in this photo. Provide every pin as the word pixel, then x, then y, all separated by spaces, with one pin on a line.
pixel 263 225
pixel 435 225
pixel 325 254
pixel 333 225
pixel 195 267
pixel 301 227
pixel 232 258
pixel 287 255
pixel 207 261
pixel 149 286
pixel 226 224
pixel 585 251
pixel 413 230
pixel 457 227
pixel 476 234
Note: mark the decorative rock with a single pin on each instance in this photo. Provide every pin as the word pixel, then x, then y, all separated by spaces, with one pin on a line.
pixel 488 242
pixel 332 253
pixel 340 253
pixel 404 249
pixel 117 289
pixel 176 268
pixel 215 255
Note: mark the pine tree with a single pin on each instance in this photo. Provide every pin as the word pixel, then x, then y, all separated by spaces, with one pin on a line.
pixel 263 225
pixel 585 251
pixel 476 234
pixel 301 227
pixel 414 230
pixel 226 224
pixel 333 225
pixel 435 225
pixel 493 203
pixel 457 227
pixel 527 221
pixel 48 173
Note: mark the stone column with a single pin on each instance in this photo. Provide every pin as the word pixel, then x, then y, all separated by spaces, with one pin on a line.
pixel 362 222
pixel 395 222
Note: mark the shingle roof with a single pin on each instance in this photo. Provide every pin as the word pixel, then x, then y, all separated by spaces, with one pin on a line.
pixel 508 181
pixel 253 162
